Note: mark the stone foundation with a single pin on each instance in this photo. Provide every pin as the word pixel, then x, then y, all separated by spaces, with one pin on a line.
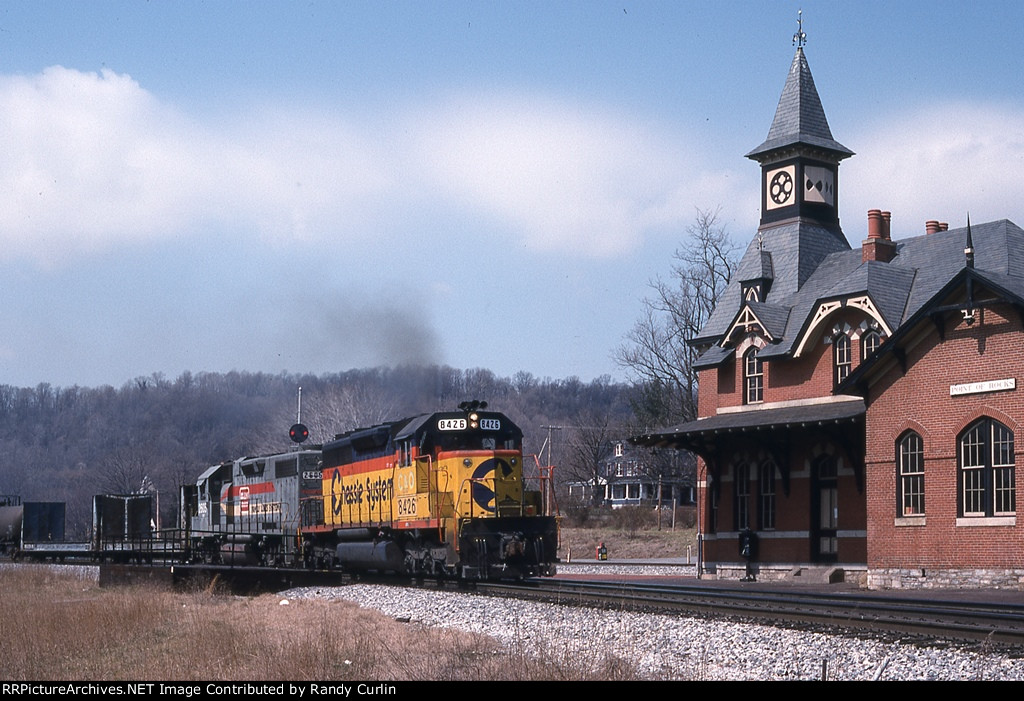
pixel 809 574
pixel 920 578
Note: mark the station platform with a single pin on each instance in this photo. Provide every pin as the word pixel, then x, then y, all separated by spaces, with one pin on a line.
pixel 680 572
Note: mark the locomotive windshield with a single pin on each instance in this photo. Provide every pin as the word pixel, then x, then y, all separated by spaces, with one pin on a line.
pixel 470 440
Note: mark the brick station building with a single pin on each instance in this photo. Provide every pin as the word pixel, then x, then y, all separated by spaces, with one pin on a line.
pixel 858 407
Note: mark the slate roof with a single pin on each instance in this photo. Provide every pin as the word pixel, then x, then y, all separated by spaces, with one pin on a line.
pixel 922 267
pixel 799 118
pixel 797 248
pixel 757 420
pixel 760 268
pixel 773 316
pixel 1006 287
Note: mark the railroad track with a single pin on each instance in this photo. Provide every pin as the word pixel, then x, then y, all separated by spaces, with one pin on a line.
pixel 933 618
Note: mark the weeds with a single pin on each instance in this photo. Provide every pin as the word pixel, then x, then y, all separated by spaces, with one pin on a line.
pixel 59 627
pixel 626 544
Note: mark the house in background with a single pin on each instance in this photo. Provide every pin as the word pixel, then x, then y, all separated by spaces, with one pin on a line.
pixel 631 477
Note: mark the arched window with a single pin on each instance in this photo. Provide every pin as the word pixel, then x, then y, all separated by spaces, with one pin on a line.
pixel 741 489
pixel 753 378
pixel 869 343
pixel 987 468
pixel 766 495
pixel 910 479
pixel 843 358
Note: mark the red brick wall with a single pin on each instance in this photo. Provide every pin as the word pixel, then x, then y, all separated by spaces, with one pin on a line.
pixel 990 349
pixel 789 541
pixel 785 379
pixel 807 377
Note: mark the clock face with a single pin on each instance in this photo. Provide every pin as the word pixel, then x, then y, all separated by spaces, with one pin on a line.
pixel 819 185
pixel 780 187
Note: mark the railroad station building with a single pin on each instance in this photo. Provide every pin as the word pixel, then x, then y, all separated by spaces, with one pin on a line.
pixel 858 406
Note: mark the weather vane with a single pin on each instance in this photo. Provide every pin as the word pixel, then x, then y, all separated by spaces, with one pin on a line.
pixel 800 38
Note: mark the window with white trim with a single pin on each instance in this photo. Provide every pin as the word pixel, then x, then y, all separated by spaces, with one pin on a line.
pixel 987 467
pixel 753 378
pixel 842 357
pixel 869 343
pixel 910 451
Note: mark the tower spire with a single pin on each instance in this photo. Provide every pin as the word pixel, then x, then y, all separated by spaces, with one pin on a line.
pixel 799 117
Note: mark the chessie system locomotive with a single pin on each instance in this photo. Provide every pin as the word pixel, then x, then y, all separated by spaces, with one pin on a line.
pixel 436 494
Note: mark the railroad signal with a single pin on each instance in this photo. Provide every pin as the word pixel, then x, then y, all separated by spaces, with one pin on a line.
pixel 298 433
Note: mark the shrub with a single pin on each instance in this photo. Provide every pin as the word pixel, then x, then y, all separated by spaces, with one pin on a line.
pixel 634 518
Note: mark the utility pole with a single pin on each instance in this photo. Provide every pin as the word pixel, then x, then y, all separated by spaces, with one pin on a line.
pixel 549 442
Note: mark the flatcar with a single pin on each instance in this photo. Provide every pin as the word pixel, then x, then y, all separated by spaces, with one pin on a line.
pixel 435 494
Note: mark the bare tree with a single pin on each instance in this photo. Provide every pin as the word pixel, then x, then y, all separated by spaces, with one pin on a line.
pixel 125 471
pixel 341 409
pixel 587 445
pixel 656 351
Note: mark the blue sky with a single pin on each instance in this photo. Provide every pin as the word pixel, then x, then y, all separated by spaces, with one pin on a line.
pixel 318 186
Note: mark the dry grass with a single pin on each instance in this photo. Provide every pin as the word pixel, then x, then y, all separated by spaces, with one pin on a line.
pixel 57 626
pixel 641 543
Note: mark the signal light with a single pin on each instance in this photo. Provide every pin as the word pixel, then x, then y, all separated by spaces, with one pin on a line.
pixel 298 433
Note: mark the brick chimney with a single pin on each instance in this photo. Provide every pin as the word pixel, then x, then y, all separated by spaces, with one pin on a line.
pixel 878 246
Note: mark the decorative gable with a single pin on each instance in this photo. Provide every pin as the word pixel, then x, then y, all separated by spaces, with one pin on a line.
pixel 766 320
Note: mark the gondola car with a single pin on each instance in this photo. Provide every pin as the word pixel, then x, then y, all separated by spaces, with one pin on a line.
pixel 436 494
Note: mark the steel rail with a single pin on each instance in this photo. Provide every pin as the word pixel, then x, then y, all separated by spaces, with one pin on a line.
pixel 934 619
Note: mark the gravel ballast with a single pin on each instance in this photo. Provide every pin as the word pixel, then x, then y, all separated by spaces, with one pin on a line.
pixel 674 647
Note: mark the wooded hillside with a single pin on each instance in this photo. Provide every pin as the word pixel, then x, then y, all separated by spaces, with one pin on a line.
pixel 70 443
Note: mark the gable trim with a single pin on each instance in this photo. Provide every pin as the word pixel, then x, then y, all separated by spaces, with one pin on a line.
pixel 745 320
pixel 825 309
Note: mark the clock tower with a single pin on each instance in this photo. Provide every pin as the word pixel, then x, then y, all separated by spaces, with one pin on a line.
pixel 800 159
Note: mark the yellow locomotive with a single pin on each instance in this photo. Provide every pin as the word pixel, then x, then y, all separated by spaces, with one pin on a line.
pixel 435 494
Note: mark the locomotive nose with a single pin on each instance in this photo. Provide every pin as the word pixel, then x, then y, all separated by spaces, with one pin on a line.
pixel 484 477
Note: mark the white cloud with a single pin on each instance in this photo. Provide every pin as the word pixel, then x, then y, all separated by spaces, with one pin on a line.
pixel 93 161
pixel 564 179
pixel 939 162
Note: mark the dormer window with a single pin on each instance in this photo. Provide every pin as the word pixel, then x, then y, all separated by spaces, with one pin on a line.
pixel 753 378
pixel 869 343
pixel 843 358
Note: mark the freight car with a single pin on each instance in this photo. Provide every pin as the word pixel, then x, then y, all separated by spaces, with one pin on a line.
pixel 31 526
pixel 122 531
